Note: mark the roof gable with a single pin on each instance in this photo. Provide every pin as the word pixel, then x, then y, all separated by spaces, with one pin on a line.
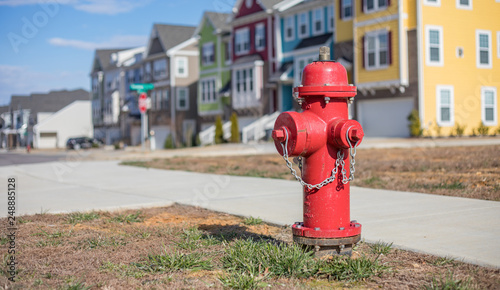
pixel 168 36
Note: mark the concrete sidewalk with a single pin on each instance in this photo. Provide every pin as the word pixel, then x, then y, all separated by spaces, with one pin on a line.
pixel 466 229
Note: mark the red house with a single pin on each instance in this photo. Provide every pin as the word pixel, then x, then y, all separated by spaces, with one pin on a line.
pixel 253 54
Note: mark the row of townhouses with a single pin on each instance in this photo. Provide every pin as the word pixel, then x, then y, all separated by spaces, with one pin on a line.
pixel 439 57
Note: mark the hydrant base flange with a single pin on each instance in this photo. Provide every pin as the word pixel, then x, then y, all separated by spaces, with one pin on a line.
pixel 328 247
pixel 353 229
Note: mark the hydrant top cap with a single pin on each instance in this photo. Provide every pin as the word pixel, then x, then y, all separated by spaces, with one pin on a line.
pixel 321 73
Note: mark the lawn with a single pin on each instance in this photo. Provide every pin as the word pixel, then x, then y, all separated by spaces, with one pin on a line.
pixel 183 247
pixel 472 172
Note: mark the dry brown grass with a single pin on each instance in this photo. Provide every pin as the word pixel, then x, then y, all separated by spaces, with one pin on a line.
pixel 101 254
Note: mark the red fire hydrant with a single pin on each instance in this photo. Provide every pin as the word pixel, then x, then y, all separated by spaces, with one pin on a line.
pixel 323 138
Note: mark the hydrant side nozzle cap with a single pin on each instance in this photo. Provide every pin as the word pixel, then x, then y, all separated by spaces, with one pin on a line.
pixel 324 53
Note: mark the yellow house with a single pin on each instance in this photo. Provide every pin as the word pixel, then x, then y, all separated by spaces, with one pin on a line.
pixel 440 57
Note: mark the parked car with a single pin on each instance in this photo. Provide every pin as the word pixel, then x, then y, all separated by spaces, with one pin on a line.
pixel 82 143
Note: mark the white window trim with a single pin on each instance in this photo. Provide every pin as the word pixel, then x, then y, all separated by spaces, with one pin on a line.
pixel 427 46
pixel 478 55
pixel 321 20
pixel 305 35
pixel 435 4
pixel 345 18
pixel 177 60
pixel 242 31
pixel 376 8
pixel 438 106
pixel 257 27
pixel 330 14
pixel 377 65
pixel 495 105
pixel 206 45
pixel 177 105
pixel 466 7
pixel 287 38
pixel 498 44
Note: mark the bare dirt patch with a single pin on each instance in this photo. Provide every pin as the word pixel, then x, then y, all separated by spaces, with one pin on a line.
pixel 472 172
pixel 122 250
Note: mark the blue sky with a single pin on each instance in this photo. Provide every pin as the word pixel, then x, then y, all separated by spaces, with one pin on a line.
pixel 49 44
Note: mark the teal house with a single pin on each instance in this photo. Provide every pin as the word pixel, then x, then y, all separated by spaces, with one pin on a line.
pixel 214 85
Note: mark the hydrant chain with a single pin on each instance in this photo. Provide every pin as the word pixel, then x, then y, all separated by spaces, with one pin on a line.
pixel 289 164
pixel 352 153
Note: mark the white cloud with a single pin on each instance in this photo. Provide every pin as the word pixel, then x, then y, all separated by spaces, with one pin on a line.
pixel 117 41
pixel 22 80
pixel 109 7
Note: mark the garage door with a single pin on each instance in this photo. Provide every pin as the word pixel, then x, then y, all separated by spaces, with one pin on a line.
pixel 47 140
pixel 385 118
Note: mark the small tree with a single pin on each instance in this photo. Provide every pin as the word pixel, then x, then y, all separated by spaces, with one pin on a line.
pixel 415 125
pixel 483 130
pixel 169 142
pixel 459 130
pixel 235 132
pixel 219 133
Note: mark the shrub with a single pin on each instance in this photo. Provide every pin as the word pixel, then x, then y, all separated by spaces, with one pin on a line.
pixel 459 130
pixel 169 142
pixel 497 131
pixel 483 130
pixel 219 133
pixel 415 126
pixel 235 132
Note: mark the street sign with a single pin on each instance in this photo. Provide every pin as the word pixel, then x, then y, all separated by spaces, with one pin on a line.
pixel 141 87
pixel 143 103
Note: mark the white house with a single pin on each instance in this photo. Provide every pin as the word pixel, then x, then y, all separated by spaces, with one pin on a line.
pixel 74 120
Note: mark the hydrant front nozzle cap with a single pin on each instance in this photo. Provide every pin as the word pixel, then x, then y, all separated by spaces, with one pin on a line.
pixel 324 53
pixel 279 135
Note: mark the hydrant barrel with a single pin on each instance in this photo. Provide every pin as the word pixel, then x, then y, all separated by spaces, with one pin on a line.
pixel 324 136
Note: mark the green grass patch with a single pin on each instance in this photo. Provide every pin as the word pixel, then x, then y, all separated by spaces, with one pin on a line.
pixel 443 261
pixel 122 270
pixel 79 217
pixel 128 218
pixel 346 269
pixel 174 261
pixel 143 164
pixel 381 248
pixel 237 280
pixel 373 181
pixel 442 185
pixel 448 282
pixel 252 221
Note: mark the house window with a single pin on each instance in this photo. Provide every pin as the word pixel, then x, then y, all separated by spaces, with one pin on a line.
pixel 238 81
pixel 289 28
pixel 303 25
pixel 181 64
pixel 242 41
pixel 445 111
pixel 318 21
pixel 260 37
pixel 331 18
pixel 147 71
pixel 300 64
pixel 489 106
pixel 250 79
pixel 346 9
pixel 164 101
pixel 227 47
pixel 483 48
pixel 153 99
pixel 208 91
pixel 434 45
pixel 376 50
pixel 208 54
pixel 182 99
pixel 464 4
pixel 374 5
pixel 432 2
pixel 160 68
